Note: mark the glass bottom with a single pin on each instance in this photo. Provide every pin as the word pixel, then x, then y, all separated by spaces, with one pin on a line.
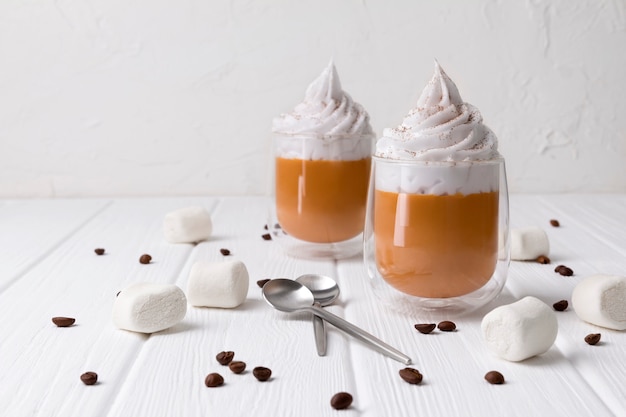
pixel 297 248
pixel 438 307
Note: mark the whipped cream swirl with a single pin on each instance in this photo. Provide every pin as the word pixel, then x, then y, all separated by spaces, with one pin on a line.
pixel 440 128
pixel 326 110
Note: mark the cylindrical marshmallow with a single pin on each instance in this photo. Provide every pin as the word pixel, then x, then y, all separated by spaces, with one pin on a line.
pixel 187 225
pixel 520 330
pixel 528 243
pixel 217 284
pixel 601 300
pixel 148 307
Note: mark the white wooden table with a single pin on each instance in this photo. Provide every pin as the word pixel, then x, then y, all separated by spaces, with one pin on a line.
pixel 48 268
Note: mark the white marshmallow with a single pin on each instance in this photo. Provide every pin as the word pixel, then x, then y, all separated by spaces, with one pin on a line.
pixel 528 243
pixel 218 284
pixel 187 225
pixel 601 300
pixel 520 330
pixel 149 308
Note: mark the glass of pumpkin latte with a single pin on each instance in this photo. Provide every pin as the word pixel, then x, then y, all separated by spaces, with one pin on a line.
pixel 321 163
pixel 437 223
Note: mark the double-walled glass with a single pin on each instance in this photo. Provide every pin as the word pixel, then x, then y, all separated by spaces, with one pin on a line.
pixel 320 194
pixel 437 234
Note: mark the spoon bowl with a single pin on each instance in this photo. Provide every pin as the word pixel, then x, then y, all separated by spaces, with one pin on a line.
pixel 325 290
pixel 287 295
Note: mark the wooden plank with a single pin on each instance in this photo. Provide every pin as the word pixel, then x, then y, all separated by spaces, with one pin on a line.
pixel 154 375
pixel 454 365
pixel 591 240
pixel 41 364
pixel 31 229
pixel 256 333
pixel 446 364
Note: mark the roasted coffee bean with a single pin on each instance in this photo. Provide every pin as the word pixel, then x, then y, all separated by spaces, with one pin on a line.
pixel 63 321
pixel 213 380
pixel 99 251
pixel 555 223
pixel 265 227
pixel 447 326
pixel 237 366
pixel 563 270
pixel 341 401
pixel 411 375
pixel 560 305
pixel 266 236
pixel 261 373
pixel 89 378
pixel 494 377
pixel 592 338
pixel 542 259
pixel 224 358
pixel 224 252
pixel 262 282
pixel 425 328
pixel 145 259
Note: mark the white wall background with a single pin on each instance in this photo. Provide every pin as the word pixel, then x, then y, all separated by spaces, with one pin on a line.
pixel 176 97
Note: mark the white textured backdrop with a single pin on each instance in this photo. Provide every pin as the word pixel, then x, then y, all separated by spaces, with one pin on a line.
pixel 156 97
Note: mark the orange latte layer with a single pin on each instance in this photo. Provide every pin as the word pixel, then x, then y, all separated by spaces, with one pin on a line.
pixel 436 246
pixel 321 201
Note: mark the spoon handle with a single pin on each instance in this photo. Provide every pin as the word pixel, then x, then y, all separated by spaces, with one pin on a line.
pixel 320 334
pixel 360 334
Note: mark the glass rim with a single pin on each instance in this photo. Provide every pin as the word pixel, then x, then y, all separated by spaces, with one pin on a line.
pixel 499 160
pixel 323 136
